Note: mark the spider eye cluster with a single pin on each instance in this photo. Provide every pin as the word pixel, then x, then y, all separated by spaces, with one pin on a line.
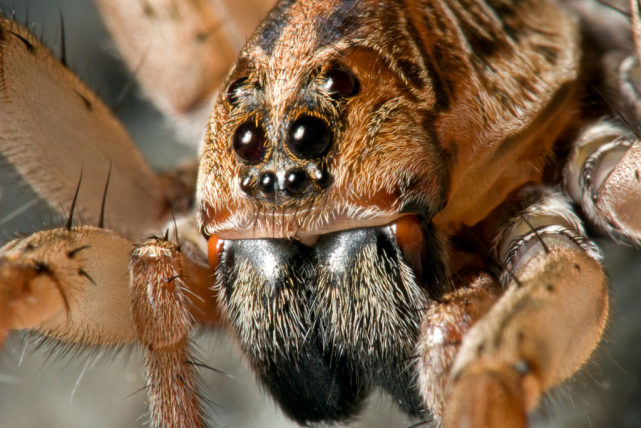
pixel 306 139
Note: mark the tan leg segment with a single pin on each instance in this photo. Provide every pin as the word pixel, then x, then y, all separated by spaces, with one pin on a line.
pixel 543 328
pixel 604 177
pixel 442 332
pixel 54 130
pixel 180 50
pixel 163 320
pixel 69 284
pixel 73 285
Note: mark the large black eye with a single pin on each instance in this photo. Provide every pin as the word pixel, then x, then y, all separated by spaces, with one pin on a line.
pixel 249 142
pixel 341 82
pixel 309 137
pixel 234 90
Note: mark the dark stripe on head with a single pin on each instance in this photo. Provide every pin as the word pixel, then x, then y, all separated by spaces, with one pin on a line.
pixel 271 29
pixel 507 12
pixel 432 15
pixel 437 64
pixel 550 53
pixel 483 45
pixel 447 157
pixel 343 21
pixel 394 35
pixel 484 35
pixel 412 73
pixel 441 92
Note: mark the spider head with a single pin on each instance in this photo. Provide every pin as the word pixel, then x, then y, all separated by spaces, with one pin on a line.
pixel 316 188
pixel 305 139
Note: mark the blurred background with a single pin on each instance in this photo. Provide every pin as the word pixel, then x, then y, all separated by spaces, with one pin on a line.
pixel 104 390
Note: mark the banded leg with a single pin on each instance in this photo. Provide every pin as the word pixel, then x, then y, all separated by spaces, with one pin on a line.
pixel 543 328
pixel 442 331
pixel 603 176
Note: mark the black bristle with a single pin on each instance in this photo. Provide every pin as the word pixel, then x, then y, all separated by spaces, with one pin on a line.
pixel 73 204
pixel 84 273
pixel 101 223
pixel 617 112
pixel 538 236
pixel 129 85
pixel 72 253
pixel 63 43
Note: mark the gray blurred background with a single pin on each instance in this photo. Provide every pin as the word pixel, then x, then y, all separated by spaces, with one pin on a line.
pixel 36 390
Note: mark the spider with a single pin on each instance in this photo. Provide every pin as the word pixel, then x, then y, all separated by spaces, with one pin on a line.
pixel 241 93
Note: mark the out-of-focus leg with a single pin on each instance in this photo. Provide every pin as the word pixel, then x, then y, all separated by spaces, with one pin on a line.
pixel 180 50
pixel 244 16
pixel 542 329
pixel 54 130
pixel 635 12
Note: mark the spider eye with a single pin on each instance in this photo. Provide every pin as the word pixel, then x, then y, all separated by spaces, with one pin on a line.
pixel 296 181
pixel 341 82
pixel 267 183
pixel 235 90
pixel 309 137
pixel 249 142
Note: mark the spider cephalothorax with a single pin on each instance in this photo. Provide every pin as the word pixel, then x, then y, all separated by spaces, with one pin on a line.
pixel 380 185
pixel 305 143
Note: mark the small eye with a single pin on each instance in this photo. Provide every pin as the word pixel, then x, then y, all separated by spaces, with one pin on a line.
pixel 309 137
pixel 341 82
pixel 249 142
pixel 296 181
pixel 267 183
pixel 247 183
pixel 235 89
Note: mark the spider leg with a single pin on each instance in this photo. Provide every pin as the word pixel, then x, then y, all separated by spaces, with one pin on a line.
pixel 70 284
pixel 635 12
pixel 73 285
pixel 65 132
pixel 443 329
pixel 160 305
pixel 603 176
pixel 545 325
pixel 199 39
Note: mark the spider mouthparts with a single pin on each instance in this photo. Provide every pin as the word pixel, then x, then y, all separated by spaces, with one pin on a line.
pixel 215 247
pixel 410 237
pixel 309 240
pixel 408 232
